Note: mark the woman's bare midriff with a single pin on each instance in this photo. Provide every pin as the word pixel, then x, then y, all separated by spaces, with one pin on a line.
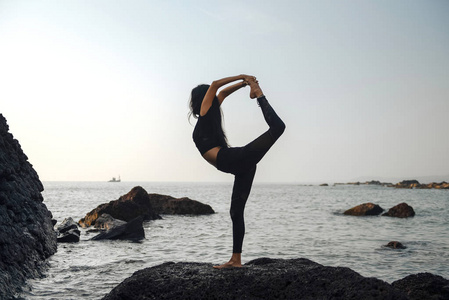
pixel 211 156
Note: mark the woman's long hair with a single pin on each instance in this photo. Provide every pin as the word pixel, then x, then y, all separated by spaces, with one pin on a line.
pixel 196 99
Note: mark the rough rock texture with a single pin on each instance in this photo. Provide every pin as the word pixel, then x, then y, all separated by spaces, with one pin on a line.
pixel 263 278
pixel 27 237
pixel 130 206
pixel 402 210
pixel 365 209
pixel 119 230
pixel 169 205
pixel 68 231
pixel 424 286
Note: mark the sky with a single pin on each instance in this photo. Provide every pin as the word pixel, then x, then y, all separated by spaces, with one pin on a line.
pixel 95 89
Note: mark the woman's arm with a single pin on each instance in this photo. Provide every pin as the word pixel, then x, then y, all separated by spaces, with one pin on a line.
pixel 229 90
pixel 212 91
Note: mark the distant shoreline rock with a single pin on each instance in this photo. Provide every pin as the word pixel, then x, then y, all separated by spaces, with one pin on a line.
pixel 414 184
pixel 267 278
pixel 405 184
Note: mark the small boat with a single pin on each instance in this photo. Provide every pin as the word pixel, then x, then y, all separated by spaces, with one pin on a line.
pixel 115 179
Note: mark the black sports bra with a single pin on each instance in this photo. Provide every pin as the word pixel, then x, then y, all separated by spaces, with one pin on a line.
pixel 208 133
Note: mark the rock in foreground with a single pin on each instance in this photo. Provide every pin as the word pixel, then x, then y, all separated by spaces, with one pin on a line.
pixel 365 209
pixel 263 278
pixel 424 286
pixel 27 237
pixel 128 207
pixel 169 205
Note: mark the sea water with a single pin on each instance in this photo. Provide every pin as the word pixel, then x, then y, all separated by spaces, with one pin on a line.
pixel 282 221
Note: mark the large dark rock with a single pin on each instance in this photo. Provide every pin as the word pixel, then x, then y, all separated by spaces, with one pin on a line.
pixel 113 229
pixel 402 210
pixel 27 237
pixel 130 206
pixel 68 231
pixel 424 286
pixel 262 278
pixel 169 205
pixel 365 209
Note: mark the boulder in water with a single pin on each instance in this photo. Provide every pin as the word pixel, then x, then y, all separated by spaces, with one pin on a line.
pixel 402 210
pixel 68 231
pixel 365 209
pixel 113 229
pixel 128 207
pixel 395 245
pixel 169 205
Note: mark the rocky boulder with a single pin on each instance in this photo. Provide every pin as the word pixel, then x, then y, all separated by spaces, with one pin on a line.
pixel 395 245
pixel 424 286
pixel 365 209
pixel 68 231
pixel 262 278
pixel 402 210
pixel 169 205
pixel 113 229
pixel 128 207
pixel 27 237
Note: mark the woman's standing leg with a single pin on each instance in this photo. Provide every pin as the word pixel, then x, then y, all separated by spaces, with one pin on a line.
pixel 240 193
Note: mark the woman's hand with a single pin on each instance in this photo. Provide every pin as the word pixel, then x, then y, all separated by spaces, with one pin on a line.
pixel 248 78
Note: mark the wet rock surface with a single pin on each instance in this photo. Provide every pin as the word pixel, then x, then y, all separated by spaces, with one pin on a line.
pixel 27 237
pixel 68 231
pixel 128 207
pixel 113 229
pixel 263 278
pixel 365 209
pixel 169 205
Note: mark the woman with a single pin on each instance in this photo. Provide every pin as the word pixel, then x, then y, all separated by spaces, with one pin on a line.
pixel 210 140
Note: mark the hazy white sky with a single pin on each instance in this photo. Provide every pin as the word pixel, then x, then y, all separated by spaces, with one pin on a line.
pixel 94 89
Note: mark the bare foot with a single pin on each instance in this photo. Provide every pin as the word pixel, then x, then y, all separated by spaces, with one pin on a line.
pixel 229 264
pixel 256 91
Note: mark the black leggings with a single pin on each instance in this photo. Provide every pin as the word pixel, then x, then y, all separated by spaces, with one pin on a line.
pixel 242 161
